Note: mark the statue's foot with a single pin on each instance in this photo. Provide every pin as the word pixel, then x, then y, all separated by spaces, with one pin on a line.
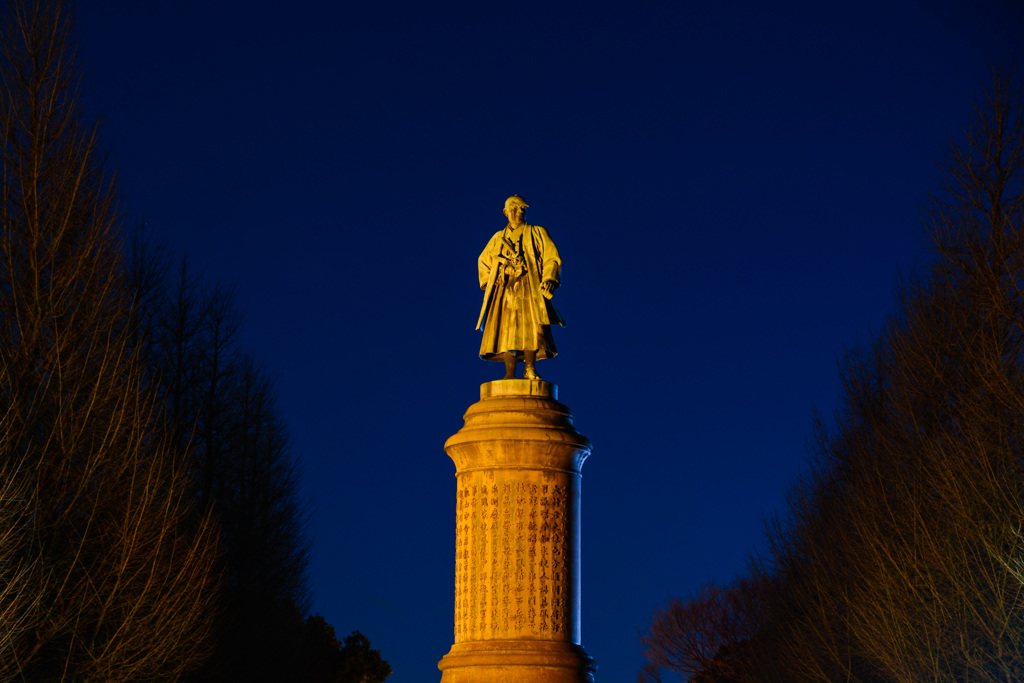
pixel 531 373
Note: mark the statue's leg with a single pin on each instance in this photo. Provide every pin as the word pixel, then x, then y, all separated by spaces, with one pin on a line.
pixel 531 365
pixel 510 364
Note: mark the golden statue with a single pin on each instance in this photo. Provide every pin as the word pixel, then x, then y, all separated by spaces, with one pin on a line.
pixel 519 272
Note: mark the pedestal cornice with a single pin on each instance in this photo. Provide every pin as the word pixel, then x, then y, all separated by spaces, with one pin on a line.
pixel 535 430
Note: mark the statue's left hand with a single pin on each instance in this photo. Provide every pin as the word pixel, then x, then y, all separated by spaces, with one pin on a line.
pixel 547 288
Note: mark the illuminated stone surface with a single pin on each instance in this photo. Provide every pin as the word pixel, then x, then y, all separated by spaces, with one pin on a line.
pixel 517 569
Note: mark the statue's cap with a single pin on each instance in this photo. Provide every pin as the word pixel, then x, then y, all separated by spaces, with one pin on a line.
pixel 515 199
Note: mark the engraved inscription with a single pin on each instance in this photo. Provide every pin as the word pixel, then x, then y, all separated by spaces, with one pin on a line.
pixel 513 555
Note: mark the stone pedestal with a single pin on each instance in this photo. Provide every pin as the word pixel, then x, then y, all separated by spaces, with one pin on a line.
pixel 517 540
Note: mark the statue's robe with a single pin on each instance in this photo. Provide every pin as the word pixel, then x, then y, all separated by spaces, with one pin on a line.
pixel 518 317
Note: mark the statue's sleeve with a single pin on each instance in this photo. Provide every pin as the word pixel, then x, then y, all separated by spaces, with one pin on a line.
pixel 551 262
pixel 485 263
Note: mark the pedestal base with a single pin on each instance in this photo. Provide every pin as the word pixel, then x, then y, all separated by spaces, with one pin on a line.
pixel 516 661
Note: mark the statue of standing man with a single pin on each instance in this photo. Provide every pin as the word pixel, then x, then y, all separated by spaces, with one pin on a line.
pixel 519 272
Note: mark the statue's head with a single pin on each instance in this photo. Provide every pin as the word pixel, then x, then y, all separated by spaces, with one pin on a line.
pixel 515 201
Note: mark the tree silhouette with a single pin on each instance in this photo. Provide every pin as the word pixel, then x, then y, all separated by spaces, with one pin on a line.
pixel 705 637
pixel 332 661
pixel 223 408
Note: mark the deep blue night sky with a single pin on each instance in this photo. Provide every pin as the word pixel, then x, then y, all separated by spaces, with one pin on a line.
pixel 733 187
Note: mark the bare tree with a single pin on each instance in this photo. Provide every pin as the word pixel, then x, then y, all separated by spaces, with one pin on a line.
pixel 17 601
pixel 950 432
pixel 900 555
pixel 107 571
pixel 919 492
pixel 707 637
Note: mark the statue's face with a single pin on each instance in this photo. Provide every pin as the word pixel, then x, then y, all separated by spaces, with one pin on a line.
pixel 516 214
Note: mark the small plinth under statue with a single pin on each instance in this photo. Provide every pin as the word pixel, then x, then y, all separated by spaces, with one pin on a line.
pixel 518 459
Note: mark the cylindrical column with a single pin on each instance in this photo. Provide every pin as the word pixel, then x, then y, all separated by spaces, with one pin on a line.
pixel 517 569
